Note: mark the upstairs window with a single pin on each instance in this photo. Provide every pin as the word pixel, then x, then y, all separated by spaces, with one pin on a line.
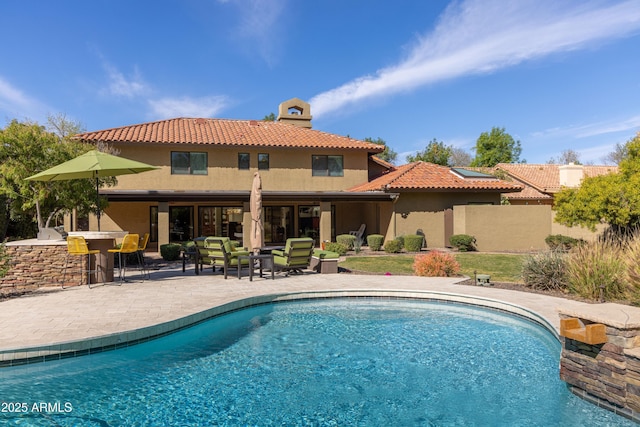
pixel 244 161
pixel 187 163
pixel 263 161
pixel 327 166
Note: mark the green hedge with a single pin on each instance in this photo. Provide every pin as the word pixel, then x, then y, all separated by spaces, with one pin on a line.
pixel 392 246
pixel 336 247
pixel 375 241
pixel 561 242
pixel 463 242
pixel 413 242
pixel 346 239
pixel 170 251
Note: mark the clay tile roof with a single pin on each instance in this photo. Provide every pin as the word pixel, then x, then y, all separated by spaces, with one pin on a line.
pixel 381 162
pixel 256 133
pixel 529 193
pixel 432 177
pixel 546 178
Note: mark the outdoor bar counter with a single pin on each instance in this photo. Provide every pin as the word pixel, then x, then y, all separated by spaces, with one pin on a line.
pixel 103 241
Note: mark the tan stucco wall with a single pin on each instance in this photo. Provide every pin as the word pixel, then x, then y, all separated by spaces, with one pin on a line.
pixel 425 211
pixel 504 228
pixel 575 232
pixel 289 169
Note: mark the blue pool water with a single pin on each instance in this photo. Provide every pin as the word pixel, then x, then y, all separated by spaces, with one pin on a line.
pixel 314 363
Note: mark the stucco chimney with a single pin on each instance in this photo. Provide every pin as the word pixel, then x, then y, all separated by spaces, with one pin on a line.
pixel 296 112
pixel 571 175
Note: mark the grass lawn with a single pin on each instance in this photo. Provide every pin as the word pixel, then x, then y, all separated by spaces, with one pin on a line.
pixel 501 267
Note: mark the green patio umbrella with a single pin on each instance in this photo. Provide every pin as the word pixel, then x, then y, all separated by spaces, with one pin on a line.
pixel 93 164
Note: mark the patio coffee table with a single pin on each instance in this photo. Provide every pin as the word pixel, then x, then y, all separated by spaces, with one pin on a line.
pixel 265 261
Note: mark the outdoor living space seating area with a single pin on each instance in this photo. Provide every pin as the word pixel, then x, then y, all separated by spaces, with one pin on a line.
pixel 294 257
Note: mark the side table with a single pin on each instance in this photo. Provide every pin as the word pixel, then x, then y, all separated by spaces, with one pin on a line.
pixel 265 261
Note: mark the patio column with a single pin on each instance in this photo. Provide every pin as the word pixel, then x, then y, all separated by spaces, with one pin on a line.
pixel 325 222
pixel 163 223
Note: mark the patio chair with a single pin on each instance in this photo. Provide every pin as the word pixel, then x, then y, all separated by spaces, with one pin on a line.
pixel 219 251
pixel 359 233
pixel 77 246
pixel 295 257
pixel 142 246
pixel 129 246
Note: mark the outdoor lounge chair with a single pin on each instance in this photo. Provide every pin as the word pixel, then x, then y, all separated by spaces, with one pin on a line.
pixel 295 257
pixel 218 251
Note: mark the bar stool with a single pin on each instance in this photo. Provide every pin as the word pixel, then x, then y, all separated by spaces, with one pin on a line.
pixel 77 246
pixel 142 246
pixel 129 246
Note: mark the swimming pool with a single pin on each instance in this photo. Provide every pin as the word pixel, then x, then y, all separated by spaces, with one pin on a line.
pixel 330 362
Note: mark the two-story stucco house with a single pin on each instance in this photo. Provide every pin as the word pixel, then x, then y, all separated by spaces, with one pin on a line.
pixel 314 183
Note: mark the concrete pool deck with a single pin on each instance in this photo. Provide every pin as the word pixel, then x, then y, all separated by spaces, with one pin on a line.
pixel 79 320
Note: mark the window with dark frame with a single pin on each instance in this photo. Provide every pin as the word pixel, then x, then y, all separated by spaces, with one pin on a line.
pixel 188 163
pixel 263 161
pixel 322 165
pixel 244 161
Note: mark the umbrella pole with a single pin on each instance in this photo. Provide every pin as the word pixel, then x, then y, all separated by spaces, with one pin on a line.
pixel 98 202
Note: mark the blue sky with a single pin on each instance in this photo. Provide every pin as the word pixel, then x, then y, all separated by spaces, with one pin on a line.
pixel 556 75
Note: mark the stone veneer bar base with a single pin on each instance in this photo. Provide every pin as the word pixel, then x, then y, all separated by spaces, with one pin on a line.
pixel 35 263
pixel 608 374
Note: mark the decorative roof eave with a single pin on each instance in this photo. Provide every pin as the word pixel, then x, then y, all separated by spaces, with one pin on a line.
pixel 243 196
pixel 454 190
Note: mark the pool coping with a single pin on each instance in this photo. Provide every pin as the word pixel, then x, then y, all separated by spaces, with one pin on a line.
pixel 74 348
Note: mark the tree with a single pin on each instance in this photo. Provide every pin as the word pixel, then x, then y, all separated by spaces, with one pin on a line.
pixel 271 117
pixel 460 157
pixel 613 199
pixel 566 157
pixel 388 155
pixel 496 147
pixel 27 148
pixel 435 152
pixel 618 154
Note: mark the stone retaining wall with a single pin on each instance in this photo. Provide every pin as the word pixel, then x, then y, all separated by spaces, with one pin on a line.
pixel 606 374
pixel 36 265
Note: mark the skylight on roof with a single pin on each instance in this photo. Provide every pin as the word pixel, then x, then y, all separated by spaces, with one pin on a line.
pixel 466 173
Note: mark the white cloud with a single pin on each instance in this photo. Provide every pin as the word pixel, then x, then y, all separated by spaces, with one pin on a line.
pixel 630 125
pixel 187 107
pixel 259 23
pixel 122 86
pixel 14 103
pixel 481 36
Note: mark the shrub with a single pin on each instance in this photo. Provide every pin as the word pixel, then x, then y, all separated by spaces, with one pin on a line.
pixel 546 271
pixel 632 261
pixel 336 247
pixel 435 264
pixel 562 243
pixel 597 264
pixel 375 241
pixel 170 251
pixel 346 239
pixel 413 242
pixel 392 246
pixel 400 240
pixel 463 242
pixel 5 259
